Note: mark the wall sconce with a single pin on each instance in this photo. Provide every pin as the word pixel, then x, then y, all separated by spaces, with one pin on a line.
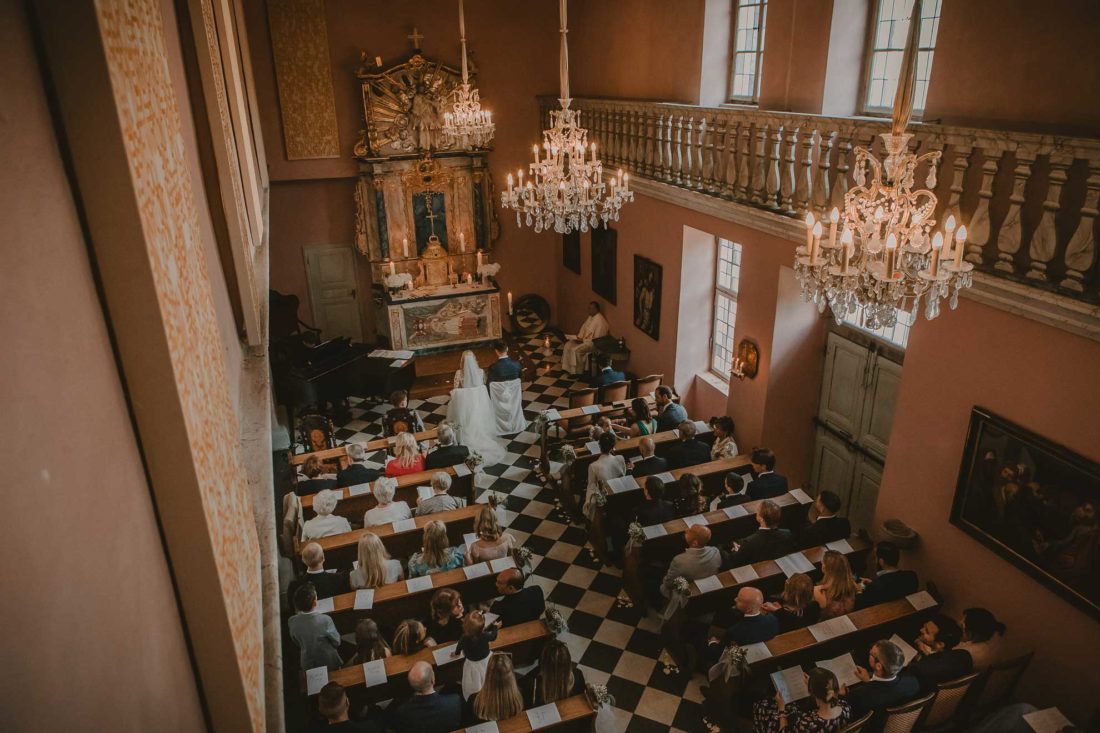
pixel 747 361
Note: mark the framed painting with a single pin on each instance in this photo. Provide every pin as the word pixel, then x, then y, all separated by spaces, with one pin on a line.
pixel 647 296
pixel 571 251
pixel 1033 502
pixel 604 246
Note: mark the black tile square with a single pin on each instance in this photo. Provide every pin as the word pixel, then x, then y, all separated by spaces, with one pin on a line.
pixel 604 658
pixel 548 567
pixel 628 616
pixel 574 536
pixel 626 693
pixel 525 523
pixel 584 624
pixel 569 596
pixel 496 469
pixel 539 545
pixel 639 724
pixel 645 643
pixel 609 585
pixel 673 684
pixel 343 433
pixel 689 716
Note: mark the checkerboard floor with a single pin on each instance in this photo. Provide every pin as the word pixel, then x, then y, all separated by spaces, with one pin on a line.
pixel 618 647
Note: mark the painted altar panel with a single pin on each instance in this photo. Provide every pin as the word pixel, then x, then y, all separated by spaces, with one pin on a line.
pixel 442 322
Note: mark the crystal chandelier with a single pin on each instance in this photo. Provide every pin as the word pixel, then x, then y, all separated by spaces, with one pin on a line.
pixel 566 189
pixel 887 257
pixel 467 124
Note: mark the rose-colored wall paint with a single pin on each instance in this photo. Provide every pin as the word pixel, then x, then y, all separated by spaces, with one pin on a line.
pixel 796 50
pixel 1034 375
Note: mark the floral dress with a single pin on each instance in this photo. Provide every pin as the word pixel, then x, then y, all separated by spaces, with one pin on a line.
pixel 802 717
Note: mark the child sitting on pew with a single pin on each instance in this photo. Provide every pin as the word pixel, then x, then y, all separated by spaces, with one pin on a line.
pixel 475 641
pixel 371 645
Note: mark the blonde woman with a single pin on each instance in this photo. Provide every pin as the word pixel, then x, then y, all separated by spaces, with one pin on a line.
pixel 375 566
pixel 836 594
pixel 499 697
pixel 492 542
pixel 387 510
pixel 325 523
pixel 407 457
pixel 437 554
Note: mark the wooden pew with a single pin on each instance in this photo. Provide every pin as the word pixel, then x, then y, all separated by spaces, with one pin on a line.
pixel 524 641
pixel 373 446
pixel 576 713
pixel 723 531
pixel 356 500
pixel 593 411
pixel 342 549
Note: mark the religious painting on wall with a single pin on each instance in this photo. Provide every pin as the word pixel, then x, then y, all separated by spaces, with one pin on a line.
pixel 604 246
pixel 1033 502
pixel 647 296
pixel 571 251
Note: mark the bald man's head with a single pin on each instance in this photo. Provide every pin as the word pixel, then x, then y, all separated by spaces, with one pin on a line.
pixel 510 581
pixel 697 535
pixel 422 678
pixel 646 447
pixel 749 600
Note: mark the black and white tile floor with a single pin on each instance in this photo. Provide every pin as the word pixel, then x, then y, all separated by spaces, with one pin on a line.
pixel 618 647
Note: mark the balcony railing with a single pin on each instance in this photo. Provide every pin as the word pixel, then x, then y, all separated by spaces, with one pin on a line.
pixel 1029 201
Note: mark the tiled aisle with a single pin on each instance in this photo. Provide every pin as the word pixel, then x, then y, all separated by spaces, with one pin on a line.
pixel 614 646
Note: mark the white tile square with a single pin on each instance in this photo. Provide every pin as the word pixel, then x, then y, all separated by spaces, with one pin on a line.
pixel 563 552
pixel 516 473
pixel 578 576
pixel 549 530
pixel 657 705
pixel 537 509
pixel 526 437
pixel 526 491
pixel 578 645
pixel 615 634
pixel 631 666
pixel 595 603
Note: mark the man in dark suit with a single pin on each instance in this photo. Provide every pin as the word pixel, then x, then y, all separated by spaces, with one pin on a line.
pixel 607 373
pixel 654 510
pixel 518 604
pixel 828 527
pixel 733 492
pixel 427 711
pixel 669 413
pixel 327 584
pixel 883 686
pixel 766 543
pixel 505 368
pixel 937 658
pixel 750 627
pixel 650 464
pixel 355 472
pixel 315 480
pixel 332 707
pixel 687 451
pixel 447 453
pixel 767 484
pixel 889 583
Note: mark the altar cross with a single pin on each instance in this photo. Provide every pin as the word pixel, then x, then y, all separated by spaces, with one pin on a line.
pixel 416 37
pixel 427 194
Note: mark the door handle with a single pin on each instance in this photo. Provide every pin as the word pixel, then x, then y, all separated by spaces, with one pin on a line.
pixel 354 291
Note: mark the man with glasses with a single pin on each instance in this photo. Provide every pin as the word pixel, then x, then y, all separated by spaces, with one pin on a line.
pixel 882 686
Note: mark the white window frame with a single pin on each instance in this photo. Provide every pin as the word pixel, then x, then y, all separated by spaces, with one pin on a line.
pixel 754 55
pixel 883 52
pixel 720 366
pixel 897 335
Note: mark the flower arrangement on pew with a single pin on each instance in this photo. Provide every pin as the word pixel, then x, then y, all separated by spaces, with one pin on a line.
pixel 555 621
pixel 635 535
pixel 598 696
pixel 681 587
pixel 522 556
pixel 474 461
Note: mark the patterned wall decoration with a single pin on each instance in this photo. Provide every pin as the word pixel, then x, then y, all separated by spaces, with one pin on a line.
pixel 150 120
pixel 299 41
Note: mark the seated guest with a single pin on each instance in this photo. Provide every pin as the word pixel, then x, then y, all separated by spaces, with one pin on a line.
pixel 315 480
pixel 603 425
pixel 441 499
pixel 376 568
pixel 753 625
pixel 836 593
pixel 733 492
pixel 577 349
pixel 699 560
pixel 937 658
pixel 889 583
pixel 332 705
pixel 607 374
pixel 400 419
pixel 883 686
pixel 607 466
pixel 650 464
pixel 411 637
pixel 828 527
pixel 795 609
pixel 474 645
pixel 724 444
pixel 448 452
pixel 654 510
pixel 768 542
pixel 427 711
pixel 690 499
pixel 445 622
pixel 492 542
pixel 687 451
pixel 369 643
pixel 325 583
pixel 313 632
pixel 407 457
pixel 641 418
pixel 554 678
pixel 981 637
pixel 355 472
pixel 499 697
pixel 517 604
pixel 387 510
pixel 437 555
pixel 669 413
pixel 824 711
pixel 325 523
pixel 766 484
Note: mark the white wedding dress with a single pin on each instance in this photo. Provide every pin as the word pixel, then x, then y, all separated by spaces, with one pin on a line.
pixel 472 410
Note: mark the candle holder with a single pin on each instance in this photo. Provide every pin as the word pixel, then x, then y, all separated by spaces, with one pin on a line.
pixel 747 362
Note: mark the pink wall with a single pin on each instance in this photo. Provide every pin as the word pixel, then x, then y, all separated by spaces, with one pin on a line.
pixel 796 48
pixel 1043 379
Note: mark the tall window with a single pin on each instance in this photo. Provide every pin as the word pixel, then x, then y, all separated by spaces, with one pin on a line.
pixel 887 48
pixel 727 277
pixel 898 334
pixel 748 50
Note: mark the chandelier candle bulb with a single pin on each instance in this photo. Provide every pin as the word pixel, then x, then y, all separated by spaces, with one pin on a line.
pixel 891 250
pixel 815 245
pixel 509 302
pixel 846 241
pixel 809 233
pixel 960 240
pixel 937 247
pixel 834 219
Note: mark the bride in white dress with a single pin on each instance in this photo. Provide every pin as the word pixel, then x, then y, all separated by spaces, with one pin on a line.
pixel 472 410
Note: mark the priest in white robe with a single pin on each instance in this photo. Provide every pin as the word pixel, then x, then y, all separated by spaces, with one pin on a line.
pixel 574 355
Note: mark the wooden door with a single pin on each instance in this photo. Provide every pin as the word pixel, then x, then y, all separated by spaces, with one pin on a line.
pixel 334 290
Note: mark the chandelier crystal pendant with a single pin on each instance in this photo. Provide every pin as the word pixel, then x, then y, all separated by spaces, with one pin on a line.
pixel 467 124
pixel 887 257
pixel 566 190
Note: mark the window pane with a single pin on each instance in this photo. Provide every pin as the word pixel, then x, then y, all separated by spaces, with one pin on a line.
pixel 748 43
pixel 727 277
pixel 898 334
pixel 887 50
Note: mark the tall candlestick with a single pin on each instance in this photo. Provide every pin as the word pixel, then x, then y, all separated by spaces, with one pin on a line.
pixel 393 269
pixel 509 303
pixel 937 247
pixel 479 259
pixel 834 219
pixel 960 241
pixel 462 241
pixel 405 244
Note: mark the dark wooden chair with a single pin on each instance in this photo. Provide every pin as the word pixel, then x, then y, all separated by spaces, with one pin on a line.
pixel 315 432
pixel 943 713
pixel 997 685
pixel 904 718
pixel 580 398
pixel 614 392
pixel 647 385
pixel 857 726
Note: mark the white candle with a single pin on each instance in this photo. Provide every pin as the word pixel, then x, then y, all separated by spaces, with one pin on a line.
pixel 891 248
pixel 392 268
pixel 405 242
pixel 462 241
pixel 834 219
pixel 937 248
pixel 809 234
pixel 960 240
pixel 846 240
pixel 479 259
pixel 509 303
pixel 816 244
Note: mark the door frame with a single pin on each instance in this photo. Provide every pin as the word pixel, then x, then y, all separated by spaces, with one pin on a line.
pixel 359 290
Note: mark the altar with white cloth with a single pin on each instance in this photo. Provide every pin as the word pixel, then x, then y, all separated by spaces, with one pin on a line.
pixel 434 317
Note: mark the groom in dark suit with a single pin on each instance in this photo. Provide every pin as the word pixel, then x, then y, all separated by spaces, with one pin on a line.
pixel 504 369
